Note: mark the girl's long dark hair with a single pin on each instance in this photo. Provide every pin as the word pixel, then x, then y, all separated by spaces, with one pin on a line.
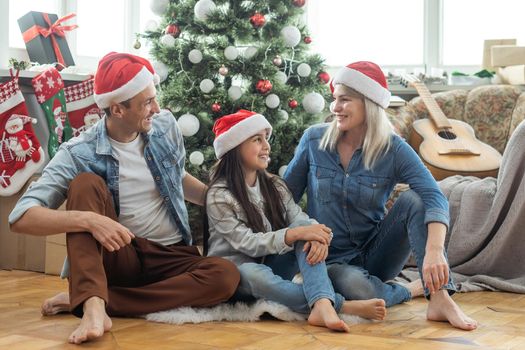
pixel 229 168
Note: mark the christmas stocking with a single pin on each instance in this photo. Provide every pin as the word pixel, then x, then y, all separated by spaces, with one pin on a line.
pixel 49 91
pixel 82 111
pixel 20 152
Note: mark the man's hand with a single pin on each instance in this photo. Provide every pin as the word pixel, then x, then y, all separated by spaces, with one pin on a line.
pixel 109 233
pixel 317 252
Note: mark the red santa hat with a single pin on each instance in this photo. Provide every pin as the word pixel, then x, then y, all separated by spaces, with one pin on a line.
pixel 233 129
pixel 121 76
pixel 366 78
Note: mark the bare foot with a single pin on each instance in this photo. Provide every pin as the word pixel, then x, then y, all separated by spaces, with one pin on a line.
pixel 416 288
pixel 54 305
pixel 323 315
pixel 94 322
pixel 442 308
pixel 372 309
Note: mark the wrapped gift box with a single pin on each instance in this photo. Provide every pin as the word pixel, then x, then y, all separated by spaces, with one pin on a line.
pixel 44 36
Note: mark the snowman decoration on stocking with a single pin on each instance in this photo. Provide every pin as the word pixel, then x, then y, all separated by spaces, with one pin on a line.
pixel 19 140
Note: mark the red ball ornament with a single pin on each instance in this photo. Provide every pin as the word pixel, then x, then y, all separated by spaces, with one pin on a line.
pixel 324 77
pixel 293 104
pixel 307 39
pixel 263 86
pixel 216 107
pixel 257 20
pixel 173 30
pixel 298 3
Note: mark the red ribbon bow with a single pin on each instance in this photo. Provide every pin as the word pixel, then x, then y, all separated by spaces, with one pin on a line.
pixel 52 30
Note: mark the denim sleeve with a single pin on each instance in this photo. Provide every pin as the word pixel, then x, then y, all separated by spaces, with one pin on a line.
pixel 50 191
pixel 176 136
pixel 296 175
pixel 411 170
pixel 294 213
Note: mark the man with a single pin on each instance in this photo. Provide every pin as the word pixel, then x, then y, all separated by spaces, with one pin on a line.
pixel 128 238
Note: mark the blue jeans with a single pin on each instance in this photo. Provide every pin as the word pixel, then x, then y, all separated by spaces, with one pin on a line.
pixel 401 231
pixel 272 281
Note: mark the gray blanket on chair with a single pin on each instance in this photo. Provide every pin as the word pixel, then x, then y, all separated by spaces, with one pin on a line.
pixel 486 239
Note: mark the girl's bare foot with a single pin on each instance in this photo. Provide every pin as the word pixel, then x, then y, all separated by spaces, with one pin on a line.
pixel 442 308
pixel 94 322
pixel 324 315
pixel 54 305
pixel 372 309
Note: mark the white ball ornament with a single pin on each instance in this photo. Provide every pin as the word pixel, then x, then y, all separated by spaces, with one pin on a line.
pixel 234 93
pixel 282 170
pixel 203 8
pixel 281 77
pixel 291 36
pixel 272 101
pixel 161 69
pixel 167 40
pixel 151 25
pixel 313 103
pixel 250 52
pixel 304 69
pixel 283 115
pixel 195 56
pixel 231 53
pixel 188 124
pixel 159 7
pixel 196 158
pixel 206 85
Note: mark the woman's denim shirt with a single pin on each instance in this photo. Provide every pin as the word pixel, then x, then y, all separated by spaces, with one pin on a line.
pixel 91 152
pixel 352 201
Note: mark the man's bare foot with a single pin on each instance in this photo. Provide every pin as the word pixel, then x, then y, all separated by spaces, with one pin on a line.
pixel 372 309
pixel 442 308
pixel 324 315
pixel 416 288
pixel 94 322
pixel 54 305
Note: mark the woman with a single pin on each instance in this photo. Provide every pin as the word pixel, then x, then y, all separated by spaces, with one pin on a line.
pixel 348 168
pixel 255 223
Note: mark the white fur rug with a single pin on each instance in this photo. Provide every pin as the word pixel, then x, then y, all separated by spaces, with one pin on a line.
pixel 235 312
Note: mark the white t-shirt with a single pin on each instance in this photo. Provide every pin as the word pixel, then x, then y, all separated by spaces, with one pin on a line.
pixel 142 209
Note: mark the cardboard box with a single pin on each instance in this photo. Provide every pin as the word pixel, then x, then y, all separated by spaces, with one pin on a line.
pixel 40 49
pixel 55 255
pixel 487 54
pixel 507 55
pixel 514 75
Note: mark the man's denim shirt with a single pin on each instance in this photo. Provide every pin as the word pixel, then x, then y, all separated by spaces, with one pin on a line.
pixel 352 202
pixel 91 152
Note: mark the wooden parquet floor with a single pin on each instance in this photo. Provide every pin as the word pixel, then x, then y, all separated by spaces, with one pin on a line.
pixel 501 317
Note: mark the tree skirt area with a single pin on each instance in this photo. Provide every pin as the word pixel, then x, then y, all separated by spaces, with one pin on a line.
pixel 240 311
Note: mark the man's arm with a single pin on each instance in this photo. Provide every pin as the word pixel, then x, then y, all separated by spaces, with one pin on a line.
pixel 194 189
pixel 42 221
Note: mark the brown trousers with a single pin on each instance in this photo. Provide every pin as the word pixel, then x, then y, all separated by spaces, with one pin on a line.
pixel 143 276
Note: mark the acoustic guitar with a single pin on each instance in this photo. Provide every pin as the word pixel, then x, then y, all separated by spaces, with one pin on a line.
pixel 449 146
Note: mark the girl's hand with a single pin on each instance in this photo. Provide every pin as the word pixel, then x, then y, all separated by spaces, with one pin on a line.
pixel 435 270
pixel 317 232
pixel 317 252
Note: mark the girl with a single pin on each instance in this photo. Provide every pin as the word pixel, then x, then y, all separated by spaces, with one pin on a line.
pixel 255 223
pixel 348 168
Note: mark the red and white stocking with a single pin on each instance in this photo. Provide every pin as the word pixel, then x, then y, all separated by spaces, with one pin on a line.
pixel 20 152
pixel 82 110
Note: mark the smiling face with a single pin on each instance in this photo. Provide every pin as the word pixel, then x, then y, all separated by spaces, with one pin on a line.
pixel 349 109
pixel 255 152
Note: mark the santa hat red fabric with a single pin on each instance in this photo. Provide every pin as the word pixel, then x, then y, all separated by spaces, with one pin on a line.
pixel 366 78
pixel 233 129
pixel 121 76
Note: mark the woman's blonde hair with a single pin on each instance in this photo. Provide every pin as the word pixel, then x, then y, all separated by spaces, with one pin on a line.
pixel 377 136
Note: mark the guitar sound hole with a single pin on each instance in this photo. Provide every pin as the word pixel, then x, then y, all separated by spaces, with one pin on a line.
pixel 447 135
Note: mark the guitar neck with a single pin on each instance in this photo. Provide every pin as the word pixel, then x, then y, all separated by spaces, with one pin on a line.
pixel 438 117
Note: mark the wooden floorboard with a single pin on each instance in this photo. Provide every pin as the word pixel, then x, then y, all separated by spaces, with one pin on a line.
pixel 501 317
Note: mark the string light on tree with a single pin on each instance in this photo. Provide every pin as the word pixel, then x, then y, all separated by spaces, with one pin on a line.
pixel 203 8
pixel 196 158
pixel 257 20
pixel 195 56
pixel 188 124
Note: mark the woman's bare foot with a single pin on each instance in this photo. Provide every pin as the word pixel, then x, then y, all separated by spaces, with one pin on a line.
pixel 416 288
pixel 324 315
pixel 54 305
pixel 372 309
pixel 442 308
pixel 94 322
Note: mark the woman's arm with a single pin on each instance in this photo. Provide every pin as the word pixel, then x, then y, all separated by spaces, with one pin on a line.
pixel 296 175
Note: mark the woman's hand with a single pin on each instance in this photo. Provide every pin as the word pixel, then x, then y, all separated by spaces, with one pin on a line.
pixel 435 270
pixel 317 252
pixel 317 232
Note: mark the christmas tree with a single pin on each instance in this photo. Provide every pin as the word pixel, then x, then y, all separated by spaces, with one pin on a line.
pixel 216 57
